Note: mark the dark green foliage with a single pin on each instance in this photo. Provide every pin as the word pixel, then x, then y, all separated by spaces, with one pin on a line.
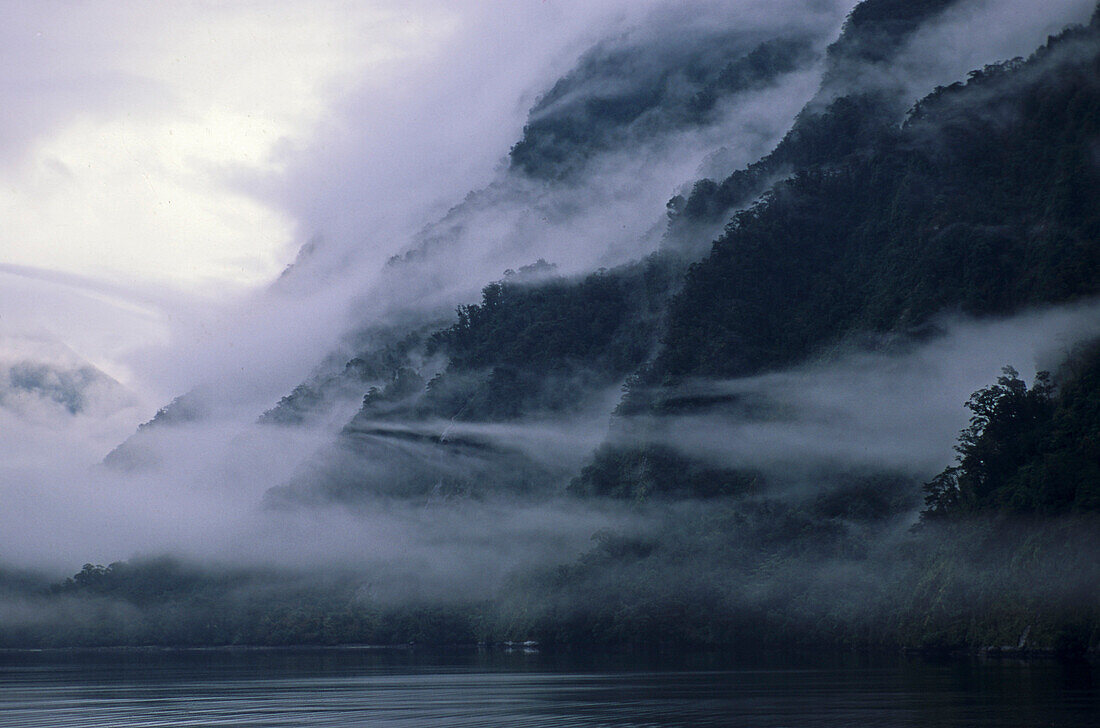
pixel 620 96
pixel 384 352
pixel 1000 583
pixel 986 202
pixel 537 348
pixel 748 572
pixel 756 70
pixel 819 138
pixel 1026 450
pixel 779 573
pixel 876 28
pixel 540 325
pixel 982 205
pixel 850 112
pixel 529 346
pixel 730 571
pixel 404 383
pixel 546 346
pixel 905 13
pixel 167 602
pixel 845 126
pixel 638 474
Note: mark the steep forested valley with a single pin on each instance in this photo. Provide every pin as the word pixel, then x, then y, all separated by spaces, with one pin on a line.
pixel 658 388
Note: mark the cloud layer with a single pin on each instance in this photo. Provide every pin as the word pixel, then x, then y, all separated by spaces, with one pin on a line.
pixel 160 165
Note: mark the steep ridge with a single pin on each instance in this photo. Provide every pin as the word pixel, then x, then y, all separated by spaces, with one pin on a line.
pixel 617 130
pixel 858 99
pixel 628 94
pixel 643 89
pixel 867 224
pixel 806 268
pixel 983 203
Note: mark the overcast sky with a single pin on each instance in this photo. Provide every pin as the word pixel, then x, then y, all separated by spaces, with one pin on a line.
pixel 158 161
pixel 161 164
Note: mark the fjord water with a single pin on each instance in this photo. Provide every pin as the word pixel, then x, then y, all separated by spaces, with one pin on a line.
pixel 494 688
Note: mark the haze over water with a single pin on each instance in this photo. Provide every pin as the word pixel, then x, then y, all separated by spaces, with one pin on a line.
pixel 492 688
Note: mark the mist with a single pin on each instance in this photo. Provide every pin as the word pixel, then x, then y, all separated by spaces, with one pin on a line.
pixel 893 410
pixel 974 33
pixel 965 36
pixel 228 355
pixel 376 169
pixel 379 206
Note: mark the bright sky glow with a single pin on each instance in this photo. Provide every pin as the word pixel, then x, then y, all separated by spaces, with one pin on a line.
pixel 140 143
pixel 150 188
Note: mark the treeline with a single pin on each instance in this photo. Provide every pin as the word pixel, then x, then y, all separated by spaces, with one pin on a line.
pixel 985 202
pixel 746 573
pixel 619 95
pixel 168 602
pixel 1027 450
pixel 545 346
pixel 1006 557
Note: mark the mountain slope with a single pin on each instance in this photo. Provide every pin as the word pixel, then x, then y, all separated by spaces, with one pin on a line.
pixel 460 446
pixel 985 202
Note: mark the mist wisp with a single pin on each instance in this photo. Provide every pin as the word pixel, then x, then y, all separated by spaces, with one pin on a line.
pixel 400 505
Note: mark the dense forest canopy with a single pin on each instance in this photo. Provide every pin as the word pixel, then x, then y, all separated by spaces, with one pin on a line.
pixel 618 95
pixel 869 228
pixel 1027 450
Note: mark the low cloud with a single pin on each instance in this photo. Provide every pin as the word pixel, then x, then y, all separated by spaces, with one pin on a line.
pixel 898 410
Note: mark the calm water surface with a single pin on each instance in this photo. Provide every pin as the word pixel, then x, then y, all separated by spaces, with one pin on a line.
pixel 493 688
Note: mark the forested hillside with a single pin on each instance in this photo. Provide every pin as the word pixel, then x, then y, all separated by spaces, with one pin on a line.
pixel 646 396
pixel 984 202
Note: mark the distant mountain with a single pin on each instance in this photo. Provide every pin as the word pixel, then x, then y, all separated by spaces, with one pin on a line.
pixel 47 379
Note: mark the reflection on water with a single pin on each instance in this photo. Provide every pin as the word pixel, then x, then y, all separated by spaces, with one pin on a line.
pixel 490 688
